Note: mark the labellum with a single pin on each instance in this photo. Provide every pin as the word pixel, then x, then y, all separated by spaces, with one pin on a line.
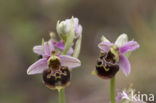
pixel 56 79
pixel 106 66
pixel 56 76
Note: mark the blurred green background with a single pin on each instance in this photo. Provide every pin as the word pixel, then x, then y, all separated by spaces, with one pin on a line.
pixel 24 22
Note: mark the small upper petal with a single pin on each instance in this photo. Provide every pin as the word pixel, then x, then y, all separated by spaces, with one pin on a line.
pixel 105 46
pixel 104 39
pixel 124 65
pixel 38 67
pixel 69 61
pixel 129 46
pixel 121 40
pixel 51 45
pixel 38 50
pixel 47 49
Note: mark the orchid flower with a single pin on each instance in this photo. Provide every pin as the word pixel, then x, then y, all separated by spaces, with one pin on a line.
pixel 116 52
pixel 57 58
pixel 64 27
pixel 54 67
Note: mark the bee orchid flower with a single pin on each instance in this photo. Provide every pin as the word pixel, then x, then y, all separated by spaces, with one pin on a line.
pixel 55 68
pixel 57 58
pixel 118 50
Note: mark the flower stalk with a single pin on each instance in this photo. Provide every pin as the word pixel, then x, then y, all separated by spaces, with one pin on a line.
pixel 112 90
pixel 62 96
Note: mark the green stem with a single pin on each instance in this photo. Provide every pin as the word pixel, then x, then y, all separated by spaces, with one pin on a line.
pixel 112 90
pixel 62 96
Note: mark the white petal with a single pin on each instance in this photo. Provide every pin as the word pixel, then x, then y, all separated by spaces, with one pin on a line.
pixel 38 67
pixel 69 61
pixel 121 40
pixel 78 31
pixel 76 21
